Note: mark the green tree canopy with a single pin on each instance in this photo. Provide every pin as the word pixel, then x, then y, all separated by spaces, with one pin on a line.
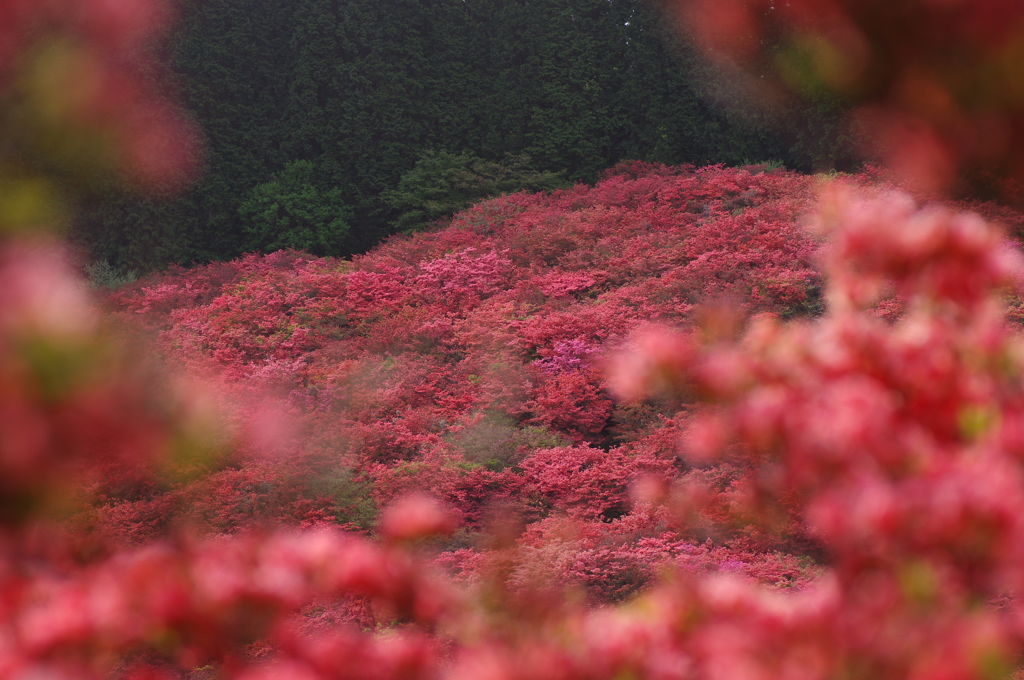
pixel 290 211
pixel 360 88
pixel 442 183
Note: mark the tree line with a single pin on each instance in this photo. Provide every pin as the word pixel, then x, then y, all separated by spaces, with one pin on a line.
pixel 330 125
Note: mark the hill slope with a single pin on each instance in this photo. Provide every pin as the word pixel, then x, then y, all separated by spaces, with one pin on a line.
pixel 468 363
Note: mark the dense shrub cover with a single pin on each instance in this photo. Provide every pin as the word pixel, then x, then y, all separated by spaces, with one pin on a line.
pixel 469 362
pixel 848 502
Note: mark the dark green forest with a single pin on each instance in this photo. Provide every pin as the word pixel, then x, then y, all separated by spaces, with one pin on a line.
pixel 331 124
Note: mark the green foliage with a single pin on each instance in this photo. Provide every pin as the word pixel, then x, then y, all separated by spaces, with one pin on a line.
pixel 497 441
pixel 442 183
pixel 102 274
pixel 292 212
pixel 764 166
pixel 140 233
pixel 359 89
pixel 350 499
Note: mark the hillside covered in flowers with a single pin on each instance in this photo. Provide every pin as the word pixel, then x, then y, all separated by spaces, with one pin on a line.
pixel 469 363
pixel 686 423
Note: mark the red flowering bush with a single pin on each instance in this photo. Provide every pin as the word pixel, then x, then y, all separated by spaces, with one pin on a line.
pixel 571 402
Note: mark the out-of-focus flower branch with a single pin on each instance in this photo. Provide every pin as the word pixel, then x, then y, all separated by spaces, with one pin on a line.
pixel 934 87
pixel 81 106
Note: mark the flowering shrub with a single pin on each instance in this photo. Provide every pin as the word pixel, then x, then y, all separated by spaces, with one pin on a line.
pixel 589 482
pixel 463 273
